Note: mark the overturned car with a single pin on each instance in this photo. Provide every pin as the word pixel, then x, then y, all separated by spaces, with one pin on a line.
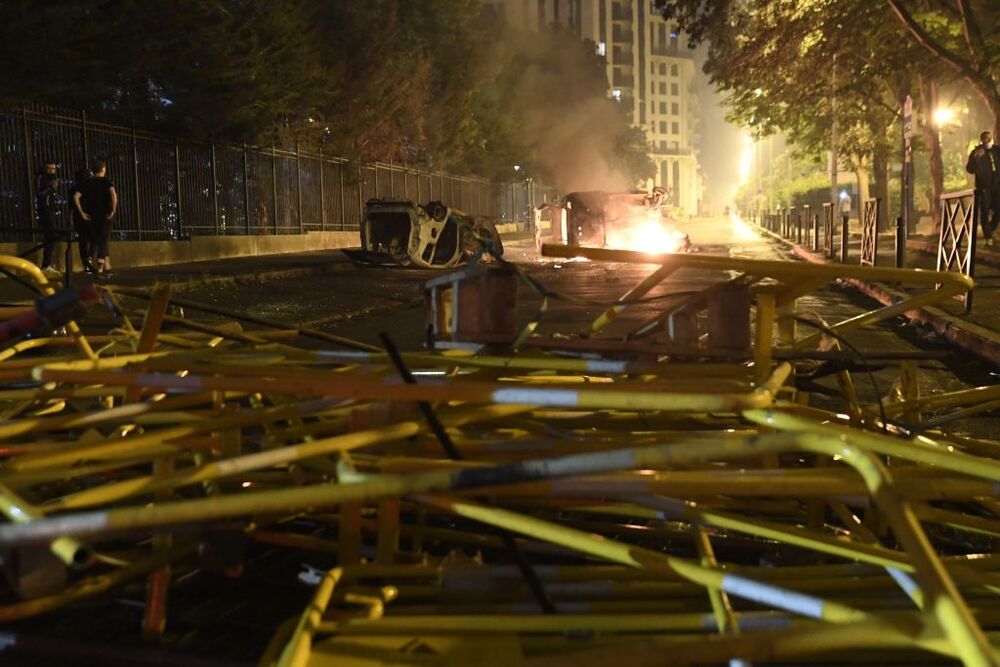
pixel 426 236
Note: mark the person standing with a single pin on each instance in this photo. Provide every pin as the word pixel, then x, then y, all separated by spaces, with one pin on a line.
pixel 99 201
pixel 47 206
pixel 984 163
pixel 81 226
pixel 845 206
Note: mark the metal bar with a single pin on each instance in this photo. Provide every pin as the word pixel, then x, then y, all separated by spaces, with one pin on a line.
pixel 298 184
pixel 246 189
pixel 215 192
pixel 274 188
pixel 135 183
pixel 177 189
pixel 322 191
pixel 29 204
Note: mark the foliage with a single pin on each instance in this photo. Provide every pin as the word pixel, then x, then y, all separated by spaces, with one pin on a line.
pixel 434 82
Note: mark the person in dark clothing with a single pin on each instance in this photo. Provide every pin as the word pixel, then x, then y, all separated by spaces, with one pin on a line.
pixel 81 226
pixel 47 207
pixel 99 201
pixel 984 163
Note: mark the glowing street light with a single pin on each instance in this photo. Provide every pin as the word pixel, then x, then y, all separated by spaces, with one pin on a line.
pixel 944 116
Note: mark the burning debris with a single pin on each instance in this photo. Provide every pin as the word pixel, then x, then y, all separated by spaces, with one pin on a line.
pixel 622 220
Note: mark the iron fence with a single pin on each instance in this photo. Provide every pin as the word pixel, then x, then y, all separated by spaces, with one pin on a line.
pixel 957 241
pixel 871 223
pixel 170 188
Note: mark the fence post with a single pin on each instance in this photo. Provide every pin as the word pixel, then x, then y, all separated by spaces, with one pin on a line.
pixel 844 231
pixel 215 193
pixel 274 187
pixel 816 232
pixel 177 187
pixel 343 202
pixel 246 187
pixel 900 243
pixel 86 142
pixel 322 191
pixel 135 183
pixel 798 226
pixel 298 183
pixel 361 194
pixel 29 181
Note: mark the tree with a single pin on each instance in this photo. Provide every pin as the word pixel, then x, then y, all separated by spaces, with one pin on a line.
pixel 803 68
pixel 963 36
pixel 434 83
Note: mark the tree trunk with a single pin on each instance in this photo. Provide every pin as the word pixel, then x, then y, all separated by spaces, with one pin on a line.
pixel 880 171
pixel 932 135
pixel 937 179
pixel 864 188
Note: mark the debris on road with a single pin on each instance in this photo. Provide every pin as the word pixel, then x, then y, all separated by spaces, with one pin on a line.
pixel 546 500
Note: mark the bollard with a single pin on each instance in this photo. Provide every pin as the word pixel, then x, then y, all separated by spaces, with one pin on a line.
pixel 844 238
pixel 900 243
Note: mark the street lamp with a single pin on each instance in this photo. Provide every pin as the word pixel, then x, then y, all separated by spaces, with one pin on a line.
pixel 943 116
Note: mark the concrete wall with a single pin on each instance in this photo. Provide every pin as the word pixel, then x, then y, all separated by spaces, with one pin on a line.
pixel 126 254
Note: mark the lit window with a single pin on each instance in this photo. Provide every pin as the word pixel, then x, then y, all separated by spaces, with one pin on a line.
pixel 616 94
pixel 602 49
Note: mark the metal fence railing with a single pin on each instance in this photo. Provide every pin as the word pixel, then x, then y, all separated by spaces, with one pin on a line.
pixel 171 188
pixel 960 213
pixel 871 223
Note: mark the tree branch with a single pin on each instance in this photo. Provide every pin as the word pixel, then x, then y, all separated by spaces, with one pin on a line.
pixel 924 39
pixel 983 83
pixel 973 35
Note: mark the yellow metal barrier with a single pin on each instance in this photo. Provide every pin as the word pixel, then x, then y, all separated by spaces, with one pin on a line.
pixel 696 511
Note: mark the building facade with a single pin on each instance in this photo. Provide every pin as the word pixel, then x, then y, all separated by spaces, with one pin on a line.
pixel 650 71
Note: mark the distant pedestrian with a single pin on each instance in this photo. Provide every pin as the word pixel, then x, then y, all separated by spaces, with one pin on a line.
pixel 845 207
pixel 47 206
pixel 99 201
pixel 984 163
pixel 83 229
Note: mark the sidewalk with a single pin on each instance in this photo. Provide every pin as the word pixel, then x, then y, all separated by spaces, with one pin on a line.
pixel 976 332
pixel 191 275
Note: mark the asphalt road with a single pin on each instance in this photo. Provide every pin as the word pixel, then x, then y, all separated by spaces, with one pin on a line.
pixel 362 301
pixel 210 615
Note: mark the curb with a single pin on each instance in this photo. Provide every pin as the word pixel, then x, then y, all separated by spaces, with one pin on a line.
pixel 969 336
pixel 206 280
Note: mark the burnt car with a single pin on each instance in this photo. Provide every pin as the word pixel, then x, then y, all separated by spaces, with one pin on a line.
pixel 428 236
pixel 624 220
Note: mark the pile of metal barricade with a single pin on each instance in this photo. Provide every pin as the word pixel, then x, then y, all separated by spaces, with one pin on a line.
pixel 575 501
